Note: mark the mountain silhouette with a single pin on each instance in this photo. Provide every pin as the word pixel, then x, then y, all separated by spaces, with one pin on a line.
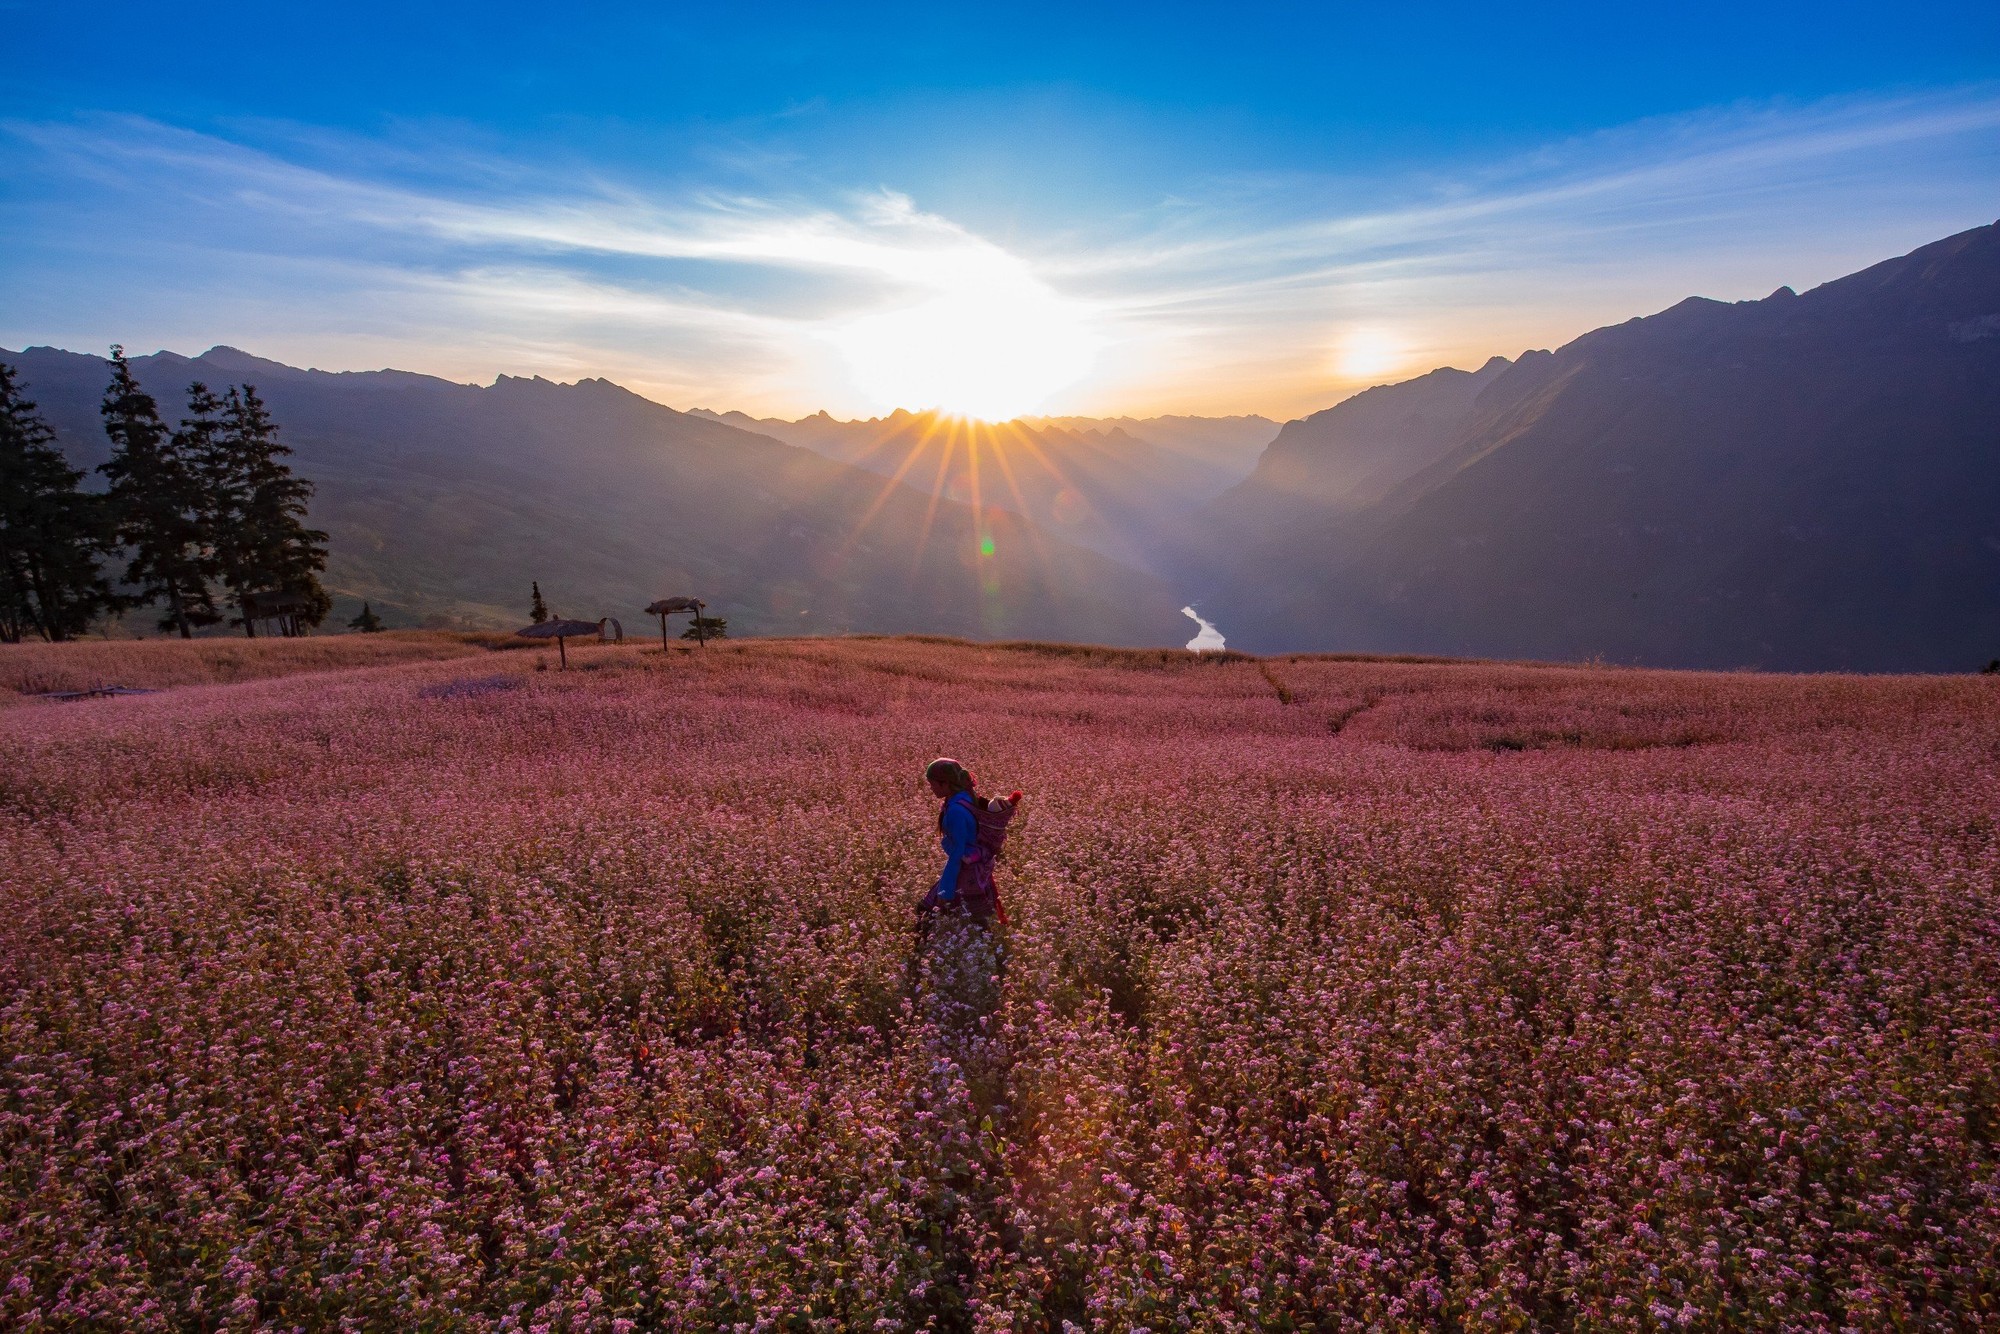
pixel 1353 454
pixel 1803 482
pixel 445 500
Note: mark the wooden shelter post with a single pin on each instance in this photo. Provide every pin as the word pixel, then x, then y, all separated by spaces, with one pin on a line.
pixel 560 631
pixel 666 607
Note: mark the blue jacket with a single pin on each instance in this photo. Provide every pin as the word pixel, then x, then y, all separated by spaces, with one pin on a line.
pixel 961 832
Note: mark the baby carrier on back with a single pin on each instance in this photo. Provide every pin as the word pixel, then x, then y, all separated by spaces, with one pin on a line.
pixel 976 886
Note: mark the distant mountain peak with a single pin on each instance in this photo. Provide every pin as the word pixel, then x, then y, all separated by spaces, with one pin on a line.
pixel 236 361
pixel 1354 452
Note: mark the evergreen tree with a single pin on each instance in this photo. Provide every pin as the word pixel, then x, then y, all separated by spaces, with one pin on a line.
pixel 539 611
pixel 198 444
pixel 706 628
pixel 257 510
pixel 367 622
pixel 51 533
pixel 159 504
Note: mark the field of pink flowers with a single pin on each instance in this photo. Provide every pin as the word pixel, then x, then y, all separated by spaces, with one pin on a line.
pixel 1337 995
pixel 153 664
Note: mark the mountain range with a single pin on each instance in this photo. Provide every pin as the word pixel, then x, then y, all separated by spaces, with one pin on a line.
pixel 1810 481
pixel 1803 482
pixel 444 501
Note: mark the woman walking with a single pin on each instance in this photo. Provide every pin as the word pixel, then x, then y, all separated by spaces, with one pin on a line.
pixel 961 908
pixel 959 960
pixel 958 830
pixel 971 830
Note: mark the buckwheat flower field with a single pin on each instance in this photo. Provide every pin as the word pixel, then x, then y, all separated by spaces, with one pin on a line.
pixel 433 990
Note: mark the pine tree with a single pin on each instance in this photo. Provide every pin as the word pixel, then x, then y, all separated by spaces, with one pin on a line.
pixel 539 611
pixel 257 512
pixel 367 622
pixel 198 443
pixel 52 534
pixel 158 503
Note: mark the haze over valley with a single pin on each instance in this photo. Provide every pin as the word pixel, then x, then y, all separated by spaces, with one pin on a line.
pixel 1122 487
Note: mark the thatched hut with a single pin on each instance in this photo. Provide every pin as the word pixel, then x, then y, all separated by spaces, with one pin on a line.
pixel 666 607
pixel 559 630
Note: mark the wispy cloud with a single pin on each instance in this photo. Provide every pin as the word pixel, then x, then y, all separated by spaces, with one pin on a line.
pixel 1536 249
pixel 881 232
pixel 1665 167
pixel 1234 295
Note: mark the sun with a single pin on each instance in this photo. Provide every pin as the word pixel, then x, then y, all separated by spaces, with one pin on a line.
pixel 990 341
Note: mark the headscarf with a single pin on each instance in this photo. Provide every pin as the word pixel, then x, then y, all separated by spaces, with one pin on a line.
pixel 949 772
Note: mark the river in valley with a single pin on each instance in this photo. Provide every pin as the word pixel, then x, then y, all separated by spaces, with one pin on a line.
pixel 1209 640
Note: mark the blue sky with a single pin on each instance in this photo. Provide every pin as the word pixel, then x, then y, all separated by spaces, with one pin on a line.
pixel 1060 208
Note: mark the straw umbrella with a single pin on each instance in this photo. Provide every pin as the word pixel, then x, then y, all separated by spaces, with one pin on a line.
pixel 559 630
pixel 666 607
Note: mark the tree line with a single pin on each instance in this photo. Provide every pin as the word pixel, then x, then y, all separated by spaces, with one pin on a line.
pixel 206 516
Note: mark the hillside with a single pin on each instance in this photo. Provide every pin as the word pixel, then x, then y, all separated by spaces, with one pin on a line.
pixel 1228 445
pixel 1350 456
pixel 460 994
pixel 1808 481
pixel 445 500
pixel 1353 454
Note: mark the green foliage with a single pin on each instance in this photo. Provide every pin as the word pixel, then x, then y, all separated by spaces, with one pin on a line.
pixel 539 611
pixel 367 622
pixel 257 513
pixel 707 627
pixel 52 534
pixel 158 498
pixel 211 502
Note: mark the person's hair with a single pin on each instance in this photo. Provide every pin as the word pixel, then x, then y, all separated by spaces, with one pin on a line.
pixel 949 772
